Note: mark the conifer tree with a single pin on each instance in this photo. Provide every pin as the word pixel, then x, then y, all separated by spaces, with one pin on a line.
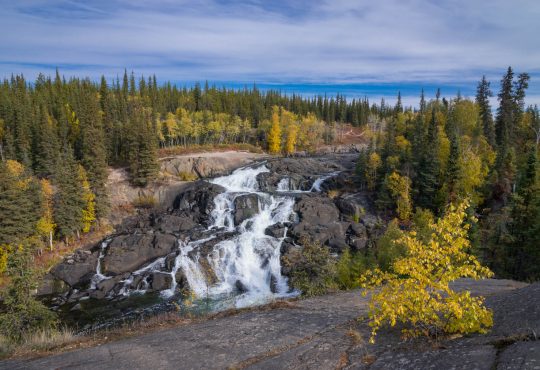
pixel 68 199
pixel 93 151
pixel 483 93
pixel 427 182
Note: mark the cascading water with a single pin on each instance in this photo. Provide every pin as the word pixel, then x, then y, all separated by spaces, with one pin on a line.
pixel 98 277
pixel 248 262
pixel 243 264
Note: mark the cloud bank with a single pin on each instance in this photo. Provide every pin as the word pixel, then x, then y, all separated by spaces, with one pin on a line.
pixel 418 42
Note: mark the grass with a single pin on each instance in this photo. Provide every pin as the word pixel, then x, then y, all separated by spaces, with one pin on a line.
pixel 187 176
pixel 37 342
pixel 144 201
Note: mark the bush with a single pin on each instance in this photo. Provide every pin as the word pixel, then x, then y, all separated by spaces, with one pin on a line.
pixel 187 176
pixel 387 250
pixel 313 269
pixel 350 267
pixel 22 313
pixel 415 291
pixel 144 201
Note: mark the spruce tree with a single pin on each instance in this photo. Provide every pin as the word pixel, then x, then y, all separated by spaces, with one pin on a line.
pixel 93 152
pixel 427 182
pixel 69 199
pixel 483 93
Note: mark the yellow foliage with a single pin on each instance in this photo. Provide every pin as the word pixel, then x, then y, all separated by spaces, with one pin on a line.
pixel 415 293
pixel 89 212
pixel 274 136
pixel 292 134
pixel 399 187
pixel 45 225
pixel 374 162
pixel 5 251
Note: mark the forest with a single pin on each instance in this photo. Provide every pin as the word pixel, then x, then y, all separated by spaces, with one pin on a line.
pixel 58 137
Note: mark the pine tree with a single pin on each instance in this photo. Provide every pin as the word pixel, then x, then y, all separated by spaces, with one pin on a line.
pixel 504 123
pixel 93 152
pixel 427 182
pixel 483 93
pixel 68 199
pixel 19 204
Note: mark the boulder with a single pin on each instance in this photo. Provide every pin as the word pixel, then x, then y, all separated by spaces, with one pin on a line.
pixel 246 206
pixel 197 199
pixel 316 210
pixel 276 230
pixel 76 270
pixel 104 287
pixel 51 285
pixel 172 224
pixel 128 252
pixel 161 281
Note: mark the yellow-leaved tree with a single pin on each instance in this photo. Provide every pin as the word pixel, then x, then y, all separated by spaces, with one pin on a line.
pixel 274 136
pixel 415 292
pixel 89 210
pixel 400 187
pixel 45 225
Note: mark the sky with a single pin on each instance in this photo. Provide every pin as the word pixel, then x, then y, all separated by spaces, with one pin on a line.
pixel 358 48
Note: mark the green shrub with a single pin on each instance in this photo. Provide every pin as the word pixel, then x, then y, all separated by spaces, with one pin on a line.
pixel 22 314
pixel 387 250
pixel 350 267
pixel 313 269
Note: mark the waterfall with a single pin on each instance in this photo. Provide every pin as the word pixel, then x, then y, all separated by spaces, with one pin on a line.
pixel 98 277
pixel 243 263
pixel 246 264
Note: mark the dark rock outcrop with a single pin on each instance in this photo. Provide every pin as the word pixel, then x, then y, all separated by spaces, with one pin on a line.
pixel 129 252
pixel 76 269
pixel 246 206
pixel 197 201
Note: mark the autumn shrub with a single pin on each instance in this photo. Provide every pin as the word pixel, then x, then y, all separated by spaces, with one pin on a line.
pixel 187 176
pixel 313 269
pixel 144 201
pixel 415 292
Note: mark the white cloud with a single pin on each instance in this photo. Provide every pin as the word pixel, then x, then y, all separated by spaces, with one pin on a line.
pixel 330 41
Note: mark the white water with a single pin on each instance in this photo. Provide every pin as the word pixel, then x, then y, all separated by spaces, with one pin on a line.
pixel 284 185
pixel 250 260
pixel 98 277
pixel 245 265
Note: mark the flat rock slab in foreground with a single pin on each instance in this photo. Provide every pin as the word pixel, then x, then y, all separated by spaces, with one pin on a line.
pixel 321 333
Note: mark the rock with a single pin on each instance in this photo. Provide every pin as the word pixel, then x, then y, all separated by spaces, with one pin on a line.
pixel 240 287
pixel 357 243
pixel 520 356
pixel 161 281
pixel 246 206
pixel 317 210
pixel 104 287
pixel 477 357
pixel 197 201
pixel 51 285
pixel 77 307
pixel 172 224
pixel 372 223
pixel 273 284
pixel 76 274
pixel 276 230
pixel 358 229
pixel 128 252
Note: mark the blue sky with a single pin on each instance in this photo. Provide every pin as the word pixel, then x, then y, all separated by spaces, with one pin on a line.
pixel 359 48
